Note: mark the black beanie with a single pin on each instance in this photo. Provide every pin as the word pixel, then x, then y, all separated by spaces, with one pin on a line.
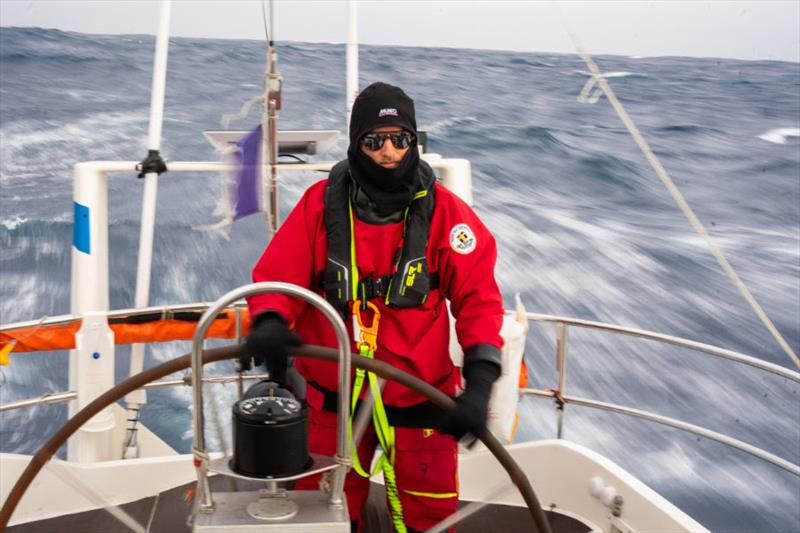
pixel 379 105
pixel 390 190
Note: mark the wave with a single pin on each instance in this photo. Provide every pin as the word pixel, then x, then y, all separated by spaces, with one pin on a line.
pixel 543 137
pixel 582 225
pixel 35 226
pixel 615 74
pixel 441 126
pixel 693 129
pixel 26 143
pixel 13 223
pixel 32 46
pixel 607 174
pixel 779 135
pixel 56 57
pixel 530 62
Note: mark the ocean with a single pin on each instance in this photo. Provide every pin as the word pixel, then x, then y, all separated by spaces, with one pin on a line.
pixel 584 227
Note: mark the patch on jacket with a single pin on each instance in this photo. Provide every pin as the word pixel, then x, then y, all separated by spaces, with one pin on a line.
pixel 462 239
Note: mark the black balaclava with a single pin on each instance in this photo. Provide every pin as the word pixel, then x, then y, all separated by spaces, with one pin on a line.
pixel 390 190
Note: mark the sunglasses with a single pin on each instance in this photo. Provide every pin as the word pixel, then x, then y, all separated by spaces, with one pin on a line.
pixel 374 141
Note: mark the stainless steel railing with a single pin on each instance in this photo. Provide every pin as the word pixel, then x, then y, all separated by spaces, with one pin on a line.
pixel 558 394
pixel 165 310
pixel 66 396
pixel 561 399
pixel 667 339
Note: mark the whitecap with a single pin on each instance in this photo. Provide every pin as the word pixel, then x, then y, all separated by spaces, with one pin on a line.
pixel 779 135
pixel 614 74
pixel 442 125
pixel 13 222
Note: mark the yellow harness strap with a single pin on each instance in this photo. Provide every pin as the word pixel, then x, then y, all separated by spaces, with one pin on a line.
pixel 367 344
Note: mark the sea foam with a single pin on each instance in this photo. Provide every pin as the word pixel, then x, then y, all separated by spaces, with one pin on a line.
pixel 13 223
pixel 779 135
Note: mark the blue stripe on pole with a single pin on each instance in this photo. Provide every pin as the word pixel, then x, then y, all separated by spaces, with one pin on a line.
pixel 80 228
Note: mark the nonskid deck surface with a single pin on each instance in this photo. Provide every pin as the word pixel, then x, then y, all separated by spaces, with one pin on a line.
pixel 172 510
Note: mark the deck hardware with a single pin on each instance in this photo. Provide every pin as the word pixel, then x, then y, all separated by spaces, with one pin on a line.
pixel 585 97
pixel 152 164
pixel 596 485
pixel 616 505
pixel 561 367
pixel 325 483
pixel 274 506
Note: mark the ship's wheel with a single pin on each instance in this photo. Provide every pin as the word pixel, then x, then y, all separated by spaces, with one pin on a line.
pixel 200 357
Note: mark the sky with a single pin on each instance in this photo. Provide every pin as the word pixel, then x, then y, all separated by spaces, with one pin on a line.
pixel 765 29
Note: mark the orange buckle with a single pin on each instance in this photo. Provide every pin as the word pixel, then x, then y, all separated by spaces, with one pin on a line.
pixel 368 335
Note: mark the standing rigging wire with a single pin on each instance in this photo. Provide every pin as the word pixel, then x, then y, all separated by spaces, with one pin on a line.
pixel 598 83
pixel 264 18
pixel 270 100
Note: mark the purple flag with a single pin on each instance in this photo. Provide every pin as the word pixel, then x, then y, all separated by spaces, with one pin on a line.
pixel 246 187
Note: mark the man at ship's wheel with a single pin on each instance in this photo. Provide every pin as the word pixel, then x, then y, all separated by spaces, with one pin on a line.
pixel 387 246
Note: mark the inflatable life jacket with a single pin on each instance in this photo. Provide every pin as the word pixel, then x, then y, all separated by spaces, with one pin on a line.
pixel 411 281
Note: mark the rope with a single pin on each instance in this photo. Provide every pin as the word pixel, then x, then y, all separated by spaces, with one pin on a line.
pixel 597 78
pixel 152 513
pixel 226 120
pixel 9 347
pixel 61 472
pixel 472 508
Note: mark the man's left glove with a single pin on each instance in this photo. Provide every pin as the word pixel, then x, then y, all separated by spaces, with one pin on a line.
pixel 269 343
pixel 481 370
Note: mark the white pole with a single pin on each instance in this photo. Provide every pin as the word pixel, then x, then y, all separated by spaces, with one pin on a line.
pixel 269 129
pixel 91 363
pixel 273 106
pixel 352 59
pixel 150 191
pixel 159 78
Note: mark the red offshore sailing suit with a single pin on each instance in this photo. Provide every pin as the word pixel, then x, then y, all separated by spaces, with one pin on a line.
pixel 414 339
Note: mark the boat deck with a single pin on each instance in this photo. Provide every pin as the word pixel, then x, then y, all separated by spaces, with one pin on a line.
pixel 169 511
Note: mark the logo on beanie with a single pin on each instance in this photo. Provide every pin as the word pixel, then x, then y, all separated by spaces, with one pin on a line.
pixel 462 239
pixel 387 112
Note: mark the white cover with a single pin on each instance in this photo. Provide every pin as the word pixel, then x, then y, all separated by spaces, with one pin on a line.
pixel 505 393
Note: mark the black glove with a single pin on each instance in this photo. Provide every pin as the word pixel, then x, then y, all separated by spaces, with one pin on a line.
pixel 481 370
pixel 268 343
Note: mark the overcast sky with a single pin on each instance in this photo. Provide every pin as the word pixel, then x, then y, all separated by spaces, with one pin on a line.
pixel 734 29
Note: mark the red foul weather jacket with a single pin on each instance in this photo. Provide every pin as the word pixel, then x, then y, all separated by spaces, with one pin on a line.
pixel 416 339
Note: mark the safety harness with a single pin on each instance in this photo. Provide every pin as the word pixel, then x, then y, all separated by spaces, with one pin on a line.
pixel 408 286
pixel 411 281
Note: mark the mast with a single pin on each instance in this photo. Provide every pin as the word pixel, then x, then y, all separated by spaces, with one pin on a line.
pixel 352 59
